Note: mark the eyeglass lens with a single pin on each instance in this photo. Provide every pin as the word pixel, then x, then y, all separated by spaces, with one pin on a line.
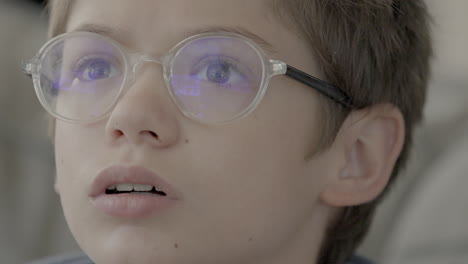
pixel 214 78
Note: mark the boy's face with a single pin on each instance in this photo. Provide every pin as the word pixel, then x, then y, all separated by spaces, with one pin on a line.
pixel 246 192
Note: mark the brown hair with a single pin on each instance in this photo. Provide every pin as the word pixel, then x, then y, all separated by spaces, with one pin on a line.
pixel 377 51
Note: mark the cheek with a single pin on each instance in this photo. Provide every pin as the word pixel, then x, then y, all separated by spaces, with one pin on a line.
pixel 76 153
pixel 65 153
pixel 70 151
pixel 254 172
pixel 253 195
pixel 76 145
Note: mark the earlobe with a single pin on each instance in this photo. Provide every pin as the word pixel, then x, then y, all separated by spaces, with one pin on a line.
pixel 370 141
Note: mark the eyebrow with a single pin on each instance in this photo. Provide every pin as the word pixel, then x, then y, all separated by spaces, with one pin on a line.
pixel 124 36
pixel 121 35
pixel 267 46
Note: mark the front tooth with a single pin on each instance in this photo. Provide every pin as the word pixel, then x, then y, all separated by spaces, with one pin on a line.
pixel 124 187
pixel 142 187
pixel 112 187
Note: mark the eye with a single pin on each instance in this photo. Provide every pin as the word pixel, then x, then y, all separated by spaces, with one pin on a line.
pixel 95 68
pixel 218 70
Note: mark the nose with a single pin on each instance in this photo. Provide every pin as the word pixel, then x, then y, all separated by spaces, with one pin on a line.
pixel 145 115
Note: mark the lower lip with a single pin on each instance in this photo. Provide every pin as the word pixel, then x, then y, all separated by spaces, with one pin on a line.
pixel 132 205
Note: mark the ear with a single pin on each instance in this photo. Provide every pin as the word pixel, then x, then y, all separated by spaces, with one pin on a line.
pixel 367 146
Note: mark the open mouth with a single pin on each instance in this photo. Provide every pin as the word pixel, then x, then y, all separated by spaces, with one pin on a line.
pixel 134 189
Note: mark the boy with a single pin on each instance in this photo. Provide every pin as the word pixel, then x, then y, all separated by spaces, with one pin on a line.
pixel 194 132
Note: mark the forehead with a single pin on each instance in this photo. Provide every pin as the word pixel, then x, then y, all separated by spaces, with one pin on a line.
pixel 150 19
pixel 157 25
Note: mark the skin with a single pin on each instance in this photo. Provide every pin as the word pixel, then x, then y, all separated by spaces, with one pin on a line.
pixel 248 193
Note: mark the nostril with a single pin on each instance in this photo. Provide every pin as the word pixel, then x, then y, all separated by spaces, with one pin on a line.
pixel 152 134
pixel 118 133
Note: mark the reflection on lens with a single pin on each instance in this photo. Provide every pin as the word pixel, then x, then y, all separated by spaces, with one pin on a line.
pixel 216 78
pixel 81 77
pixel 93 69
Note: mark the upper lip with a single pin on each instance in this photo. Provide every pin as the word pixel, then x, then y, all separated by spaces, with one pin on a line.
pixel 120 174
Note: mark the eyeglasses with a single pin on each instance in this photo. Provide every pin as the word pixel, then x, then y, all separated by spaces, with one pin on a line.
pixel 212 77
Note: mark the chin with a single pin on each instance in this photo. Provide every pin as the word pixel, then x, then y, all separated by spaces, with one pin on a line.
pixel 125 257
pixel 127 251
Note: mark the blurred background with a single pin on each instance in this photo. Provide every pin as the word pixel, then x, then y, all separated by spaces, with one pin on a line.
pixel 424 220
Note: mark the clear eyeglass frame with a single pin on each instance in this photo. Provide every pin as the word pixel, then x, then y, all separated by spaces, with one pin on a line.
pixel 270 68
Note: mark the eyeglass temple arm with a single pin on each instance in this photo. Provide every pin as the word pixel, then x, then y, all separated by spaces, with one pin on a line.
pixel 323 87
